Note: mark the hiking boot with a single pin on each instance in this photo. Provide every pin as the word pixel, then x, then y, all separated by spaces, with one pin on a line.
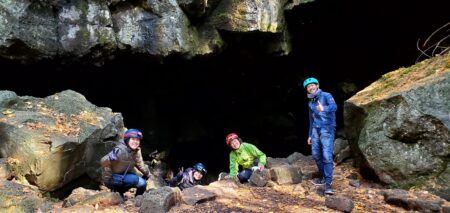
pixel 318 181
pixel 328 189
pixel 222 175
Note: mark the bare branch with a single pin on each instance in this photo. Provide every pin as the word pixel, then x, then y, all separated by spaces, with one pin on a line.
pixel 437 48
pixel 429 37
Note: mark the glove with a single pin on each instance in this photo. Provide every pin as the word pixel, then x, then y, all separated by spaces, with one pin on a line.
pixel 255 168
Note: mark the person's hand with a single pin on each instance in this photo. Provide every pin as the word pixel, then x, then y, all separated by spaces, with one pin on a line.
pixel 309 141
pixel 145 177
pixel 319 107
pixel 261 168
pixel 106 174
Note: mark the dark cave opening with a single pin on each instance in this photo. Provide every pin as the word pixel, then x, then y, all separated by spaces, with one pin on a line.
pixel 188 106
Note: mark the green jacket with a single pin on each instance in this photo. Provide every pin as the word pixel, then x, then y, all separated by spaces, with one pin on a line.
pixel 245 156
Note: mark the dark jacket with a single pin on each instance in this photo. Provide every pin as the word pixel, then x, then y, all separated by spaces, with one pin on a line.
pixel 121 158
pixel 184 179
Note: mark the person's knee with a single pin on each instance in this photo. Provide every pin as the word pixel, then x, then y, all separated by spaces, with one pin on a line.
pixel 316 154
pixel 244 175
pixel 141 183
pixel 131 180
pixel 328 158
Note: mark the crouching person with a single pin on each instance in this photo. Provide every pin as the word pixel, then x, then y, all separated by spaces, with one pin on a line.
pixel 189 177
pixel 243 154
pixel 118 164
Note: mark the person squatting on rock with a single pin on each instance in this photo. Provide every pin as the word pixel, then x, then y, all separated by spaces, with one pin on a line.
pixel 118 164
pixel 322 125
pixel 244 154
pixel 189 177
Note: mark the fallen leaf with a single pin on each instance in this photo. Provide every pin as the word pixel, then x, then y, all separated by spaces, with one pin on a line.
pixel 7 112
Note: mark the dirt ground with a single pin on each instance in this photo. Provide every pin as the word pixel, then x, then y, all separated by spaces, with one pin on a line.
pixel 304 197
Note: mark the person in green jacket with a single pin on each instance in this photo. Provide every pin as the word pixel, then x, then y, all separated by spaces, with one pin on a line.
pixel 244 154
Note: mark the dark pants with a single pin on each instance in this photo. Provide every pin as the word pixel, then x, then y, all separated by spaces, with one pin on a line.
pixel 245 174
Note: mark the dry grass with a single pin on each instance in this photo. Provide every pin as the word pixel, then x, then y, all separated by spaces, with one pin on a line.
pixel 404 79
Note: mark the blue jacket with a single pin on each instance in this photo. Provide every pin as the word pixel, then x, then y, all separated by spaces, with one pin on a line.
pixel 326 118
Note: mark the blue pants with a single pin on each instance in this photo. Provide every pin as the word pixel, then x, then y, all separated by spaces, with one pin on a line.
pixel 130 180
pixel 245 174
pixel 322 151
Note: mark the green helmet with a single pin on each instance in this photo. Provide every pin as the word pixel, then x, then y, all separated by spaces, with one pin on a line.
pixel 310 81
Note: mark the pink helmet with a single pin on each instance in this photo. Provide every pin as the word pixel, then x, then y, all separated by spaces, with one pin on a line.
pixel 231 137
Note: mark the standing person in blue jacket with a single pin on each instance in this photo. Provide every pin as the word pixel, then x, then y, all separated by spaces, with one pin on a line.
pixel 322 126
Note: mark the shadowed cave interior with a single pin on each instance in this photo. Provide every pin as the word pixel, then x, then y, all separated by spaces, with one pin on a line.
pixel 188 106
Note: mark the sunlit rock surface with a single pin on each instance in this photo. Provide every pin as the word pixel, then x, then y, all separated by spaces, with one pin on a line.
pixel 399 126
pixel 51 141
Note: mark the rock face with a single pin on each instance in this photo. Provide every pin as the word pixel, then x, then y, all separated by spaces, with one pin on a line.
pixel 83 26
pixel 246 16
pixel 94 30
pixel 54 140
pixel 160 200
pixel 399 127
pixel 15 197
pixel 197 194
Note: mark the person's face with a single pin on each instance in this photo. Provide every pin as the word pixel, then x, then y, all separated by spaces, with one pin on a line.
pixel 198 175
pixel 312 88
pixel 134 143
pixel 235 144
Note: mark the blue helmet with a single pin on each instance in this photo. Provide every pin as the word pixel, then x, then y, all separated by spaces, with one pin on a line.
pixel 132 133
pixel 200 168
pixel 310 81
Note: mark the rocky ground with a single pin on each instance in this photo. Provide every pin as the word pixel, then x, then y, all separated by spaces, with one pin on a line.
pixel 351 193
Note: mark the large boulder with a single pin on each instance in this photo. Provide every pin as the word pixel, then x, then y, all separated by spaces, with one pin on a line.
pixel 160 200
pixel 54 140
pixel 306 163
pixel 286 174
pixel 197 194
pixel 399 126
pixel 16 197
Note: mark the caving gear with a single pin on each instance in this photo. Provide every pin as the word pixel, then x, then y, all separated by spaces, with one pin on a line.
pixel 310 81
pixel 132 133
pixel 199 167
pixel 231 137
pixel 184 179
